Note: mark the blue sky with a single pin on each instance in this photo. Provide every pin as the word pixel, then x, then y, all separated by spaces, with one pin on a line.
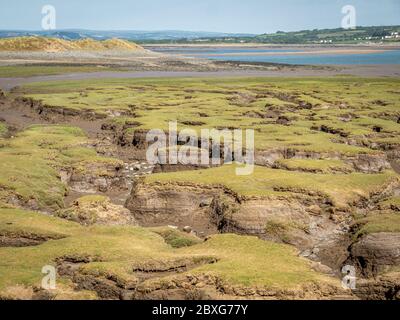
pixel 249 16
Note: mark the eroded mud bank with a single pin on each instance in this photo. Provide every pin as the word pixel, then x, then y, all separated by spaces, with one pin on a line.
pixel 320 230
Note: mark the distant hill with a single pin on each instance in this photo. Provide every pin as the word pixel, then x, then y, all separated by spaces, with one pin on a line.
pixel 380 34
pixel 143 36
pixel 360 34
pixel 375 34
pixel 60 45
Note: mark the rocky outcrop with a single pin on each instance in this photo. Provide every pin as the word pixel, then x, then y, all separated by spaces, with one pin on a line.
pixel 251 216
pixel 137 139
pixel 304 222
pixel 268 158
pixel 301 220
pixel 307 220
pixel 159 205
pixel 385 287
pixel 95 177
pixel 371 163
pixel 97 210
pixel 375 253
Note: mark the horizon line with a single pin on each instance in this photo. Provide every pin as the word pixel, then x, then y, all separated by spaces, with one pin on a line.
pixel 183 30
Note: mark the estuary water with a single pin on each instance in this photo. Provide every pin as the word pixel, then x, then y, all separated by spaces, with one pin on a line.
pixel 287 56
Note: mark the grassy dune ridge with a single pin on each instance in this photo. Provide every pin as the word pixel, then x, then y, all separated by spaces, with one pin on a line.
pixel 61 45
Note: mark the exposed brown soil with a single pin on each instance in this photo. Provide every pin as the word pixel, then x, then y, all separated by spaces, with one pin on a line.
pixel 319 229
pixel 178 286
pixel 114 288
pixel 386 287
pixel 24 239
pixel 376 253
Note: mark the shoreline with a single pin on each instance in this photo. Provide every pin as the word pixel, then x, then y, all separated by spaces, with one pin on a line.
pixel 388 46
pixel 311 52
pixel 287 72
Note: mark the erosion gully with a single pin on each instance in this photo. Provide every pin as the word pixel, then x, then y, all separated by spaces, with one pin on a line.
pixel 18 116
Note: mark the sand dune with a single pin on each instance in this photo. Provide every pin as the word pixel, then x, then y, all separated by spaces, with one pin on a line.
pixel 43 44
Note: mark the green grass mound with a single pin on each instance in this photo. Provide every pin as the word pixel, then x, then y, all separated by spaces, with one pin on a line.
pixel 317 166
pixel 376 223
pixel 96 209
pixel 176 238
pixel 342 189
pixel 30 164
pixel 85 209
pixel 253 262
pixel 118 251
pixel 282 228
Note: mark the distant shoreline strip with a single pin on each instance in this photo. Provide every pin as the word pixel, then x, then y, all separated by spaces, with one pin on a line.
pixel 290 53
